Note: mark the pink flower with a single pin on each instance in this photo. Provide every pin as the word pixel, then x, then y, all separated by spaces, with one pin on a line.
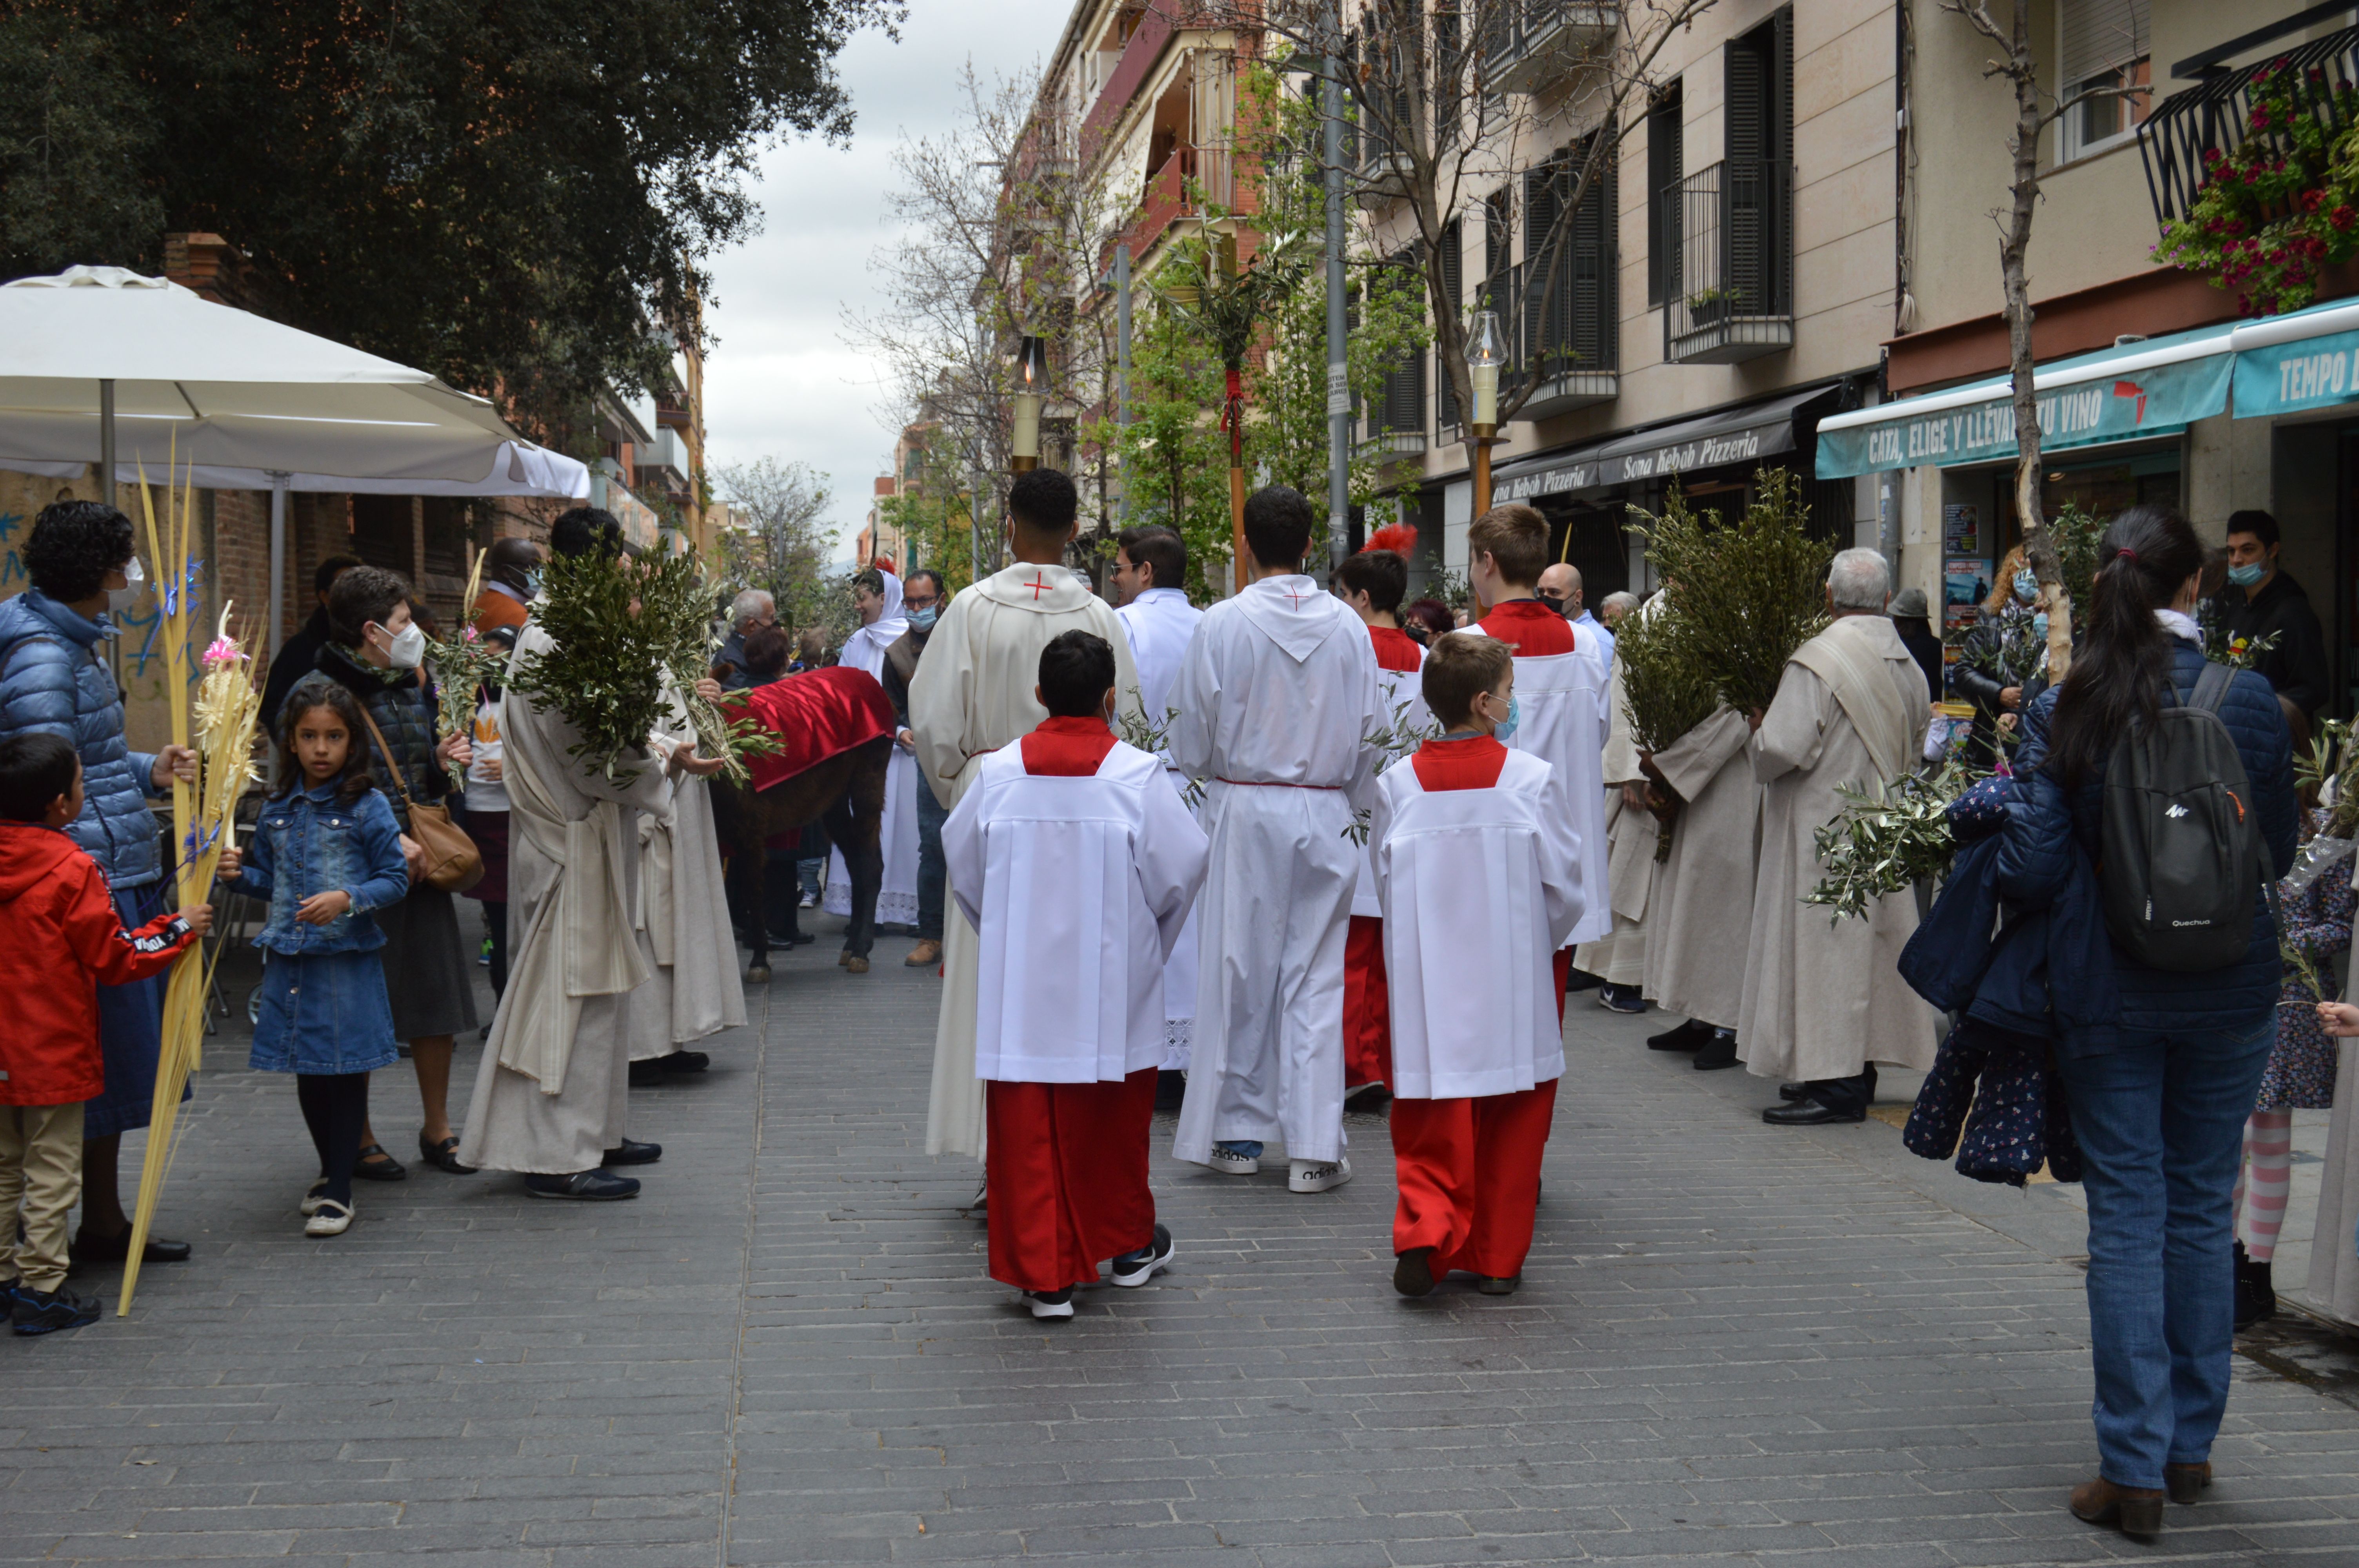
pixel 470 634
pixel 224 652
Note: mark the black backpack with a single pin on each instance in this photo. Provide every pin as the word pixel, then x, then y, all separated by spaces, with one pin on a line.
pixel 2181 848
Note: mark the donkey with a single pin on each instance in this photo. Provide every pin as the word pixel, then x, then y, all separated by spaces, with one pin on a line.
pixel 845 795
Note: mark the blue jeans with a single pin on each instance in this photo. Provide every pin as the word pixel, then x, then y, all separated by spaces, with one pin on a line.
pixel 2161 1123
pixel 933 871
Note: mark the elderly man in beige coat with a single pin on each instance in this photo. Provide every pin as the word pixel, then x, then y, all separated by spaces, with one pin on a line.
pixel 1824 999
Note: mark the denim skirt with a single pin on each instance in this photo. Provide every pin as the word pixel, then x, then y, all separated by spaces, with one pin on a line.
pixel 322 1013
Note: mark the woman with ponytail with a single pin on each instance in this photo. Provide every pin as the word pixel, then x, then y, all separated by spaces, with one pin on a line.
pixel 2158 1107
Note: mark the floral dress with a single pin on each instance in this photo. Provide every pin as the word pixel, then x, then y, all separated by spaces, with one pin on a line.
pixel 2317 925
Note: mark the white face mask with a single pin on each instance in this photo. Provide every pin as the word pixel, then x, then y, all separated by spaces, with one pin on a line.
pixel 407 648
pixel 119 599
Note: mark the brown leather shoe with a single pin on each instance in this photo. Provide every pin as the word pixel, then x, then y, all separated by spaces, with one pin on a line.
pixel 925 955
pixel 2136 1509
pixel 2185 1483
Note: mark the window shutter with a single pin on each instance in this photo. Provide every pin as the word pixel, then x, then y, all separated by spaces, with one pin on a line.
pixel 1665 134
pixel 1547 262
pixel 2099 36
pixel 1453 290
pixel 1589 288
pixel 1405 384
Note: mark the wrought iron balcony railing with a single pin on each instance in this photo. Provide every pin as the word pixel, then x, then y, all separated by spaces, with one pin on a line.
pixel 2216 116
pixel 1731 294
pixel 1532 43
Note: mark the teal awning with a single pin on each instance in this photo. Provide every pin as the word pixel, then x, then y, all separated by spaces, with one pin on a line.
pixel 2289 364
pixel 2126 393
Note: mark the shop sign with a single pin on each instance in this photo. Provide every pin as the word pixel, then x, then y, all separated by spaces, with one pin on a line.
pixel 2157 400
pixel 2286 378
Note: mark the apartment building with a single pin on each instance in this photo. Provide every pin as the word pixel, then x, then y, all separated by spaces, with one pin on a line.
pixel 1729 282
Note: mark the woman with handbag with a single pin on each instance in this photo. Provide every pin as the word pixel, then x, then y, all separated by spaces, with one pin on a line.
pixel 374 651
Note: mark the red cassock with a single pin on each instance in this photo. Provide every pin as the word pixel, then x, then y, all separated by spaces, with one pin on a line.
pixel 1468 1167
pixel 1367 1029
pixel 1066 1164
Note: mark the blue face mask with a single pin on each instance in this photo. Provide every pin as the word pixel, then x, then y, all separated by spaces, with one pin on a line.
pixel 922 620
pixel 532 582
pixel 2027 587
pixel 2039 625
pixel 1515 716
pixel 2245 576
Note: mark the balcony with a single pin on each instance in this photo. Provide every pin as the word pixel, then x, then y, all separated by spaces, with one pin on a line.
pixel 1732 291
pixel 2216 115
pixel 1137 61
pixel 1533 43
pixel 1192 183
pixel 1571 337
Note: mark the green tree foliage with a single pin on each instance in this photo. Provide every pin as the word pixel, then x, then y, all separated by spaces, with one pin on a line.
pixel 941 534
pixel 1173 456
pixel 506 192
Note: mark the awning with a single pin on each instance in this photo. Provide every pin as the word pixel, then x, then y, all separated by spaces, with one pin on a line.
pixel 2123 394
pixel 1741 435
pixel 2291 364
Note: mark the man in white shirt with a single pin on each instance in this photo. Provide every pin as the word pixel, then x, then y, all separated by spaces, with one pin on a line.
pixel 1276 700
pixel 1150 565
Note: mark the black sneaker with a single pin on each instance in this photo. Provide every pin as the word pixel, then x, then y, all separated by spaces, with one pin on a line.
pixel 590 1187
pixel 633 1153
pixel 1051 1303
pixel 1622 998
pixel 1413 1272
pixel 46 1311
pixel 1138 1268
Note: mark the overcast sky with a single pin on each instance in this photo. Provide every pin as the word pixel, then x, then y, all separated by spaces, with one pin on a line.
pixel 783 384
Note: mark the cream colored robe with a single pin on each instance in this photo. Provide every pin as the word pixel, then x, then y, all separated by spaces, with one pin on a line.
pixel 549 1096
pixel 692 989
pixel 1824 996
pixel 1620 956
pixel 1701 913
pixel 2333 1262
pixel 972 695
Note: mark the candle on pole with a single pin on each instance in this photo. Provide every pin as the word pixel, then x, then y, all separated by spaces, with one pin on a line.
pixel 1486 350
pixel 1031 384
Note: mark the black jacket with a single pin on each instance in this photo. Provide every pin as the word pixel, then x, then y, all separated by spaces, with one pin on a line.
pixel 2296 665
pixel 901 668
pixel 1916 636
pixel 299 656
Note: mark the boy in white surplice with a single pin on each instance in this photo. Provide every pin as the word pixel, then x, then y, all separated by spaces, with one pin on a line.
pixel 1077 864
pixel 1477 869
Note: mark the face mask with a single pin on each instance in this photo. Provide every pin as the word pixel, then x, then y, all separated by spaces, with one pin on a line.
pixel 119 599
pixel 1507 725
pixel 922 620
pixel 2245 576
pixel 2039 625
pixel 1552 601
pixel 407 649
pixel 2027 587
pixel 532 582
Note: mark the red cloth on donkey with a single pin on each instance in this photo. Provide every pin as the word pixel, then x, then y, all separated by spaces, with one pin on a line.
pixel 815 715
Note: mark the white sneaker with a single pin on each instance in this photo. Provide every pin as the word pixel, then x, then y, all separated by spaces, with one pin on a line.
pixel 312 1199
pixel 331 1218
pixel 1133 1269
pixel 1051 1303
pixel 1229 1162
pixel 1318 1176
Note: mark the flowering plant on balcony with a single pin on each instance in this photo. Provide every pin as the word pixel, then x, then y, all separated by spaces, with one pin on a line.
pixel 2282 205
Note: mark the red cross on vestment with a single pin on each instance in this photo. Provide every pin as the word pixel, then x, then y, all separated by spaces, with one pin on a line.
pixel 1296 597
pixel 1037 586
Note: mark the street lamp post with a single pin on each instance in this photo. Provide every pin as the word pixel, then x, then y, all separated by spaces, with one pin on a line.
pixel 1485 351
pixel 1031 382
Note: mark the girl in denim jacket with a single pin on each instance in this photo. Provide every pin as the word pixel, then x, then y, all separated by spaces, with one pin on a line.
pixel 325 853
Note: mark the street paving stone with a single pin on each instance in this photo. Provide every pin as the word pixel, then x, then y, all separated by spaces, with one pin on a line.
pixel 1734 1344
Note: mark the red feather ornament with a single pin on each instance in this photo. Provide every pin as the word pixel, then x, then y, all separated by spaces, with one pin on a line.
pixel 1401 537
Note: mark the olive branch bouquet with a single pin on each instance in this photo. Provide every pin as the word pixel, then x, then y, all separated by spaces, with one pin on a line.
pixel 1150 736
pixel 1887 839
pixel 1397 740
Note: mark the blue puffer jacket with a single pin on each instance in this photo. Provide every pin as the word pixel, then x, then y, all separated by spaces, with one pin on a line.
pixel 2031 872
pixel 52 679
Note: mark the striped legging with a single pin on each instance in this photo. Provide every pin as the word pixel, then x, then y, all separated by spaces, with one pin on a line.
pixel 2260 1197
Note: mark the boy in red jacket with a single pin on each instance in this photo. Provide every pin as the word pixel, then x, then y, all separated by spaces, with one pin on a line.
pixel 59 942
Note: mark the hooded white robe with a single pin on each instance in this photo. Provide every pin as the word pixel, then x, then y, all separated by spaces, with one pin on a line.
pixel 1078 886
pixel 1699 915
pixel 1824 996
pixel 692 989
pixel 1277 696
pixel 897 897
pixel 1159 623
pixel 972 695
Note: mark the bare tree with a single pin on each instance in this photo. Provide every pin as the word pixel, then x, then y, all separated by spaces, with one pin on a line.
pixel 783 543
pixel 1439 134
pixel 2034 112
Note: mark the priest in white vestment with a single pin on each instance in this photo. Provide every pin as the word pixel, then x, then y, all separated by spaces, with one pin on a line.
pixel 551 1092
pixel 1077 864
pixel 876 595
pixel 1619 958
pixel 1560 678
pixel 972 695
pixel 1277 700
pixel 1824 999
pixel 692 989
pixel 1479 875
pixel 1151 565
pixel 1374 582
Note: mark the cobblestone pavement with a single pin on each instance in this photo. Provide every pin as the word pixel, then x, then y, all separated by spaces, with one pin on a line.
pixel 1735 1343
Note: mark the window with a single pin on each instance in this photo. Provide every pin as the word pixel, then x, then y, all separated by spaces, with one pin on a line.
pixel 2103 49
pixel 1571 311
pixel 1454 290
pixel 1665 131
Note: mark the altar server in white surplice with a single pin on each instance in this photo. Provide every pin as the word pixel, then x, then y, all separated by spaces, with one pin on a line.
pixel 1561 684
pixel 1077 864
pixel 876 595
pixel 1276 699
pixel 1475 864
pixel 971 696
pixel 1151 565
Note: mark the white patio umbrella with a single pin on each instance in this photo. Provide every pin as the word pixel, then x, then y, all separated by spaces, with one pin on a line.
pixel 102 365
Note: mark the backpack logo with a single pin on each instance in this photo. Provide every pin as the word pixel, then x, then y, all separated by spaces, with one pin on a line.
pixel 2176 811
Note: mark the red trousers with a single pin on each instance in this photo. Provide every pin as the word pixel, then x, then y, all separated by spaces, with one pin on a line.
pixel 1470 1176
pixel 1367 1005
pixel 1066 1166
pixel 1564 979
